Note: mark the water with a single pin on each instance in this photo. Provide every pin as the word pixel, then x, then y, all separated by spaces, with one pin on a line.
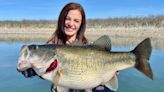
pixel 130 80
pixel 10 79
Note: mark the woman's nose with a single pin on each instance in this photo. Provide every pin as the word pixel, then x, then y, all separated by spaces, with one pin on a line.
pixel 70 23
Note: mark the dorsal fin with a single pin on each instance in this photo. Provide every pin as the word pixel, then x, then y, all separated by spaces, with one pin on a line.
pixel 76 43
pixel 103 43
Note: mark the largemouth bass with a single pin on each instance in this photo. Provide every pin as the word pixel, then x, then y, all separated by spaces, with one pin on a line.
pixel 83 66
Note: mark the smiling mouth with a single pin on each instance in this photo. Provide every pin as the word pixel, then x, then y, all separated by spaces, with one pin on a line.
pixel 69 29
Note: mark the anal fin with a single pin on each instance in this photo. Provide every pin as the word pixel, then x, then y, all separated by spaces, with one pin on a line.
pixel 113 83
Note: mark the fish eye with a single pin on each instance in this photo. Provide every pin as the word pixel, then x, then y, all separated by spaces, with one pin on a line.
pixel 32 47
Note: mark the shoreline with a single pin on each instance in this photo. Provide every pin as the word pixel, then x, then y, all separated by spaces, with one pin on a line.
pixel 120 36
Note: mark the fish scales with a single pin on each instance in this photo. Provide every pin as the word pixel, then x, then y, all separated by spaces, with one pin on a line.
pixel 89 59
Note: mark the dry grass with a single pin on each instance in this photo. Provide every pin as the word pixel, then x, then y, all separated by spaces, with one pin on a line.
pixel 25 34
pixel 120 36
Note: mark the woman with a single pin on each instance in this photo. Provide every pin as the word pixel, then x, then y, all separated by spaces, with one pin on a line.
pixel 70 27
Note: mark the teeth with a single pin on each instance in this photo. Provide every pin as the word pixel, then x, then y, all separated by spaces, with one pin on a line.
pixel 69 29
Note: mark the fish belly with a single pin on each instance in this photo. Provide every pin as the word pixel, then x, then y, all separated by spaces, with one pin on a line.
pixel 79 82
pixel 80 79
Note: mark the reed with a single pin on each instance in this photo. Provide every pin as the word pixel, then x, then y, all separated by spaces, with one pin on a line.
pixel 120 36
pixel 125 31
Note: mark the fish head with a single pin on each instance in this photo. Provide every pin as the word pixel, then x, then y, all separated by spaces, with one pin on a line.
pixel 36 60
pixel 23 61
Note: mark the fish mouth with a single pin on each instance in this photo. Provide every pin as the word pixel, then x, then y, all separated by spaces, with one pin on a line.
pixel 52 66
pixel 28 73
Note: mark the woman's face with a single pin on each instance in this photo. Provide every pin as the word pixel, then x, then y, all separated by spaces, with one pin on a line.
pixel 72 23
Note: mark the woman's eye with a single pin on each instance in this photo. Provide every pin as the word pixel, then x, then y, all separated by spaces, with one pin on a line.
pixel 77 21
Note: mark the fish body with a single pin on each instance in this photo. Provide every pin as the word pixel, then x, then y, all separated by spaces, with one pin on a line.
pixel 86 66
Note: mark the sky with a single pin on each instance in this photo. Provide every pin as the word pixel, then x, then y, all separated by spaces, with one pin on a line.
pixel 50 9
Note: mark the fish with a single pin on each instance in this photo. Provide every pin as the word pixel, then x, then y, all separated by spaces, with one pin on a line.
pixel 84 66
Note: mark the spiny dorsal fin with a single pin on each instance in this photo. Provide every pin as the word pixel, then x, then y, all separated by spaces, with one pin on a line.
pixel 103 43
pixel 76 43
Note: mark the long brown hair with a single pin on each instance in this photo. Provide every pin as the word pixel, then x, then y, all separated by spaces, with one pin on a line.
pixel 59 36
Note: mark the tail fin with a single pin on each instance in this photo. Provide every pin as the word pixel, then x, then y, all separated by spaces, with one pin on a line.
pixel 143 52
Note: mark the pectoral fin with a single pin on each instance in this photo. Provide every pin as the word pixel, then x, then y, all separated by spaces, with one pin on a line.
pixel 113 83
